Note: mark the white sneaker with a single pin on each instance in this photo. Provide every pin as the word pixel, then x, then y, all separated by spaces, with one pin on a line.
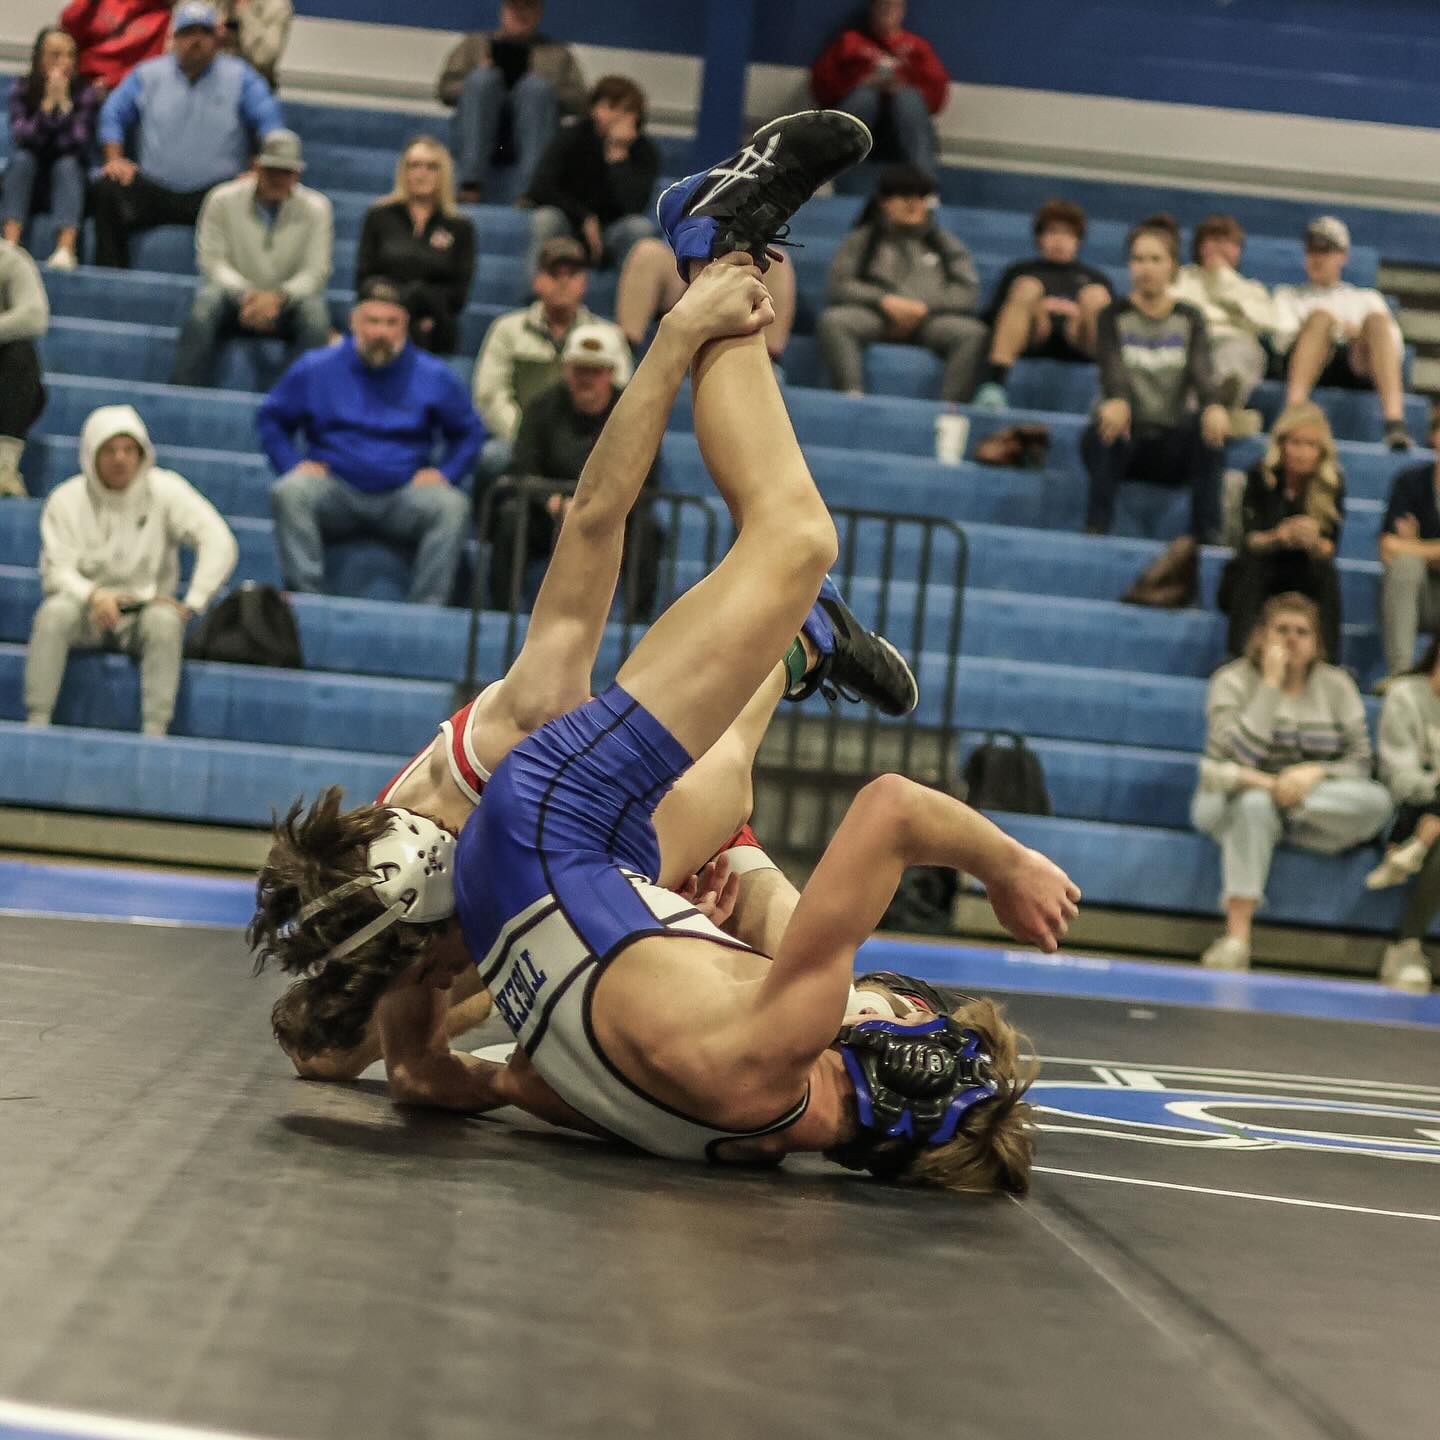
pixel 1404 967
pixel 61 260
pixel 1398 866
pixel 1226 953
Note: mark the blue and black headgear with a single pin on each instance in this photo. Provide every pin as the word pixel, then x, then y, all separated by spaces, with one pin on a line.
pixel 913 1085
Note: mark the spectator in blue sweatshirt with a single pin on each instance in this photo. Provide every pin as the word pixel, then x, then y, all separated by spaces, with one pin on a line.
pixel 372 411
pixel 194 118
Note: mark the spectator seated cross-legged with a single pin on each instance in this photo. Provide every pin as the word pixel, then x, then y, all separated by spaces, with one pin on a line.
pixel 596 176
pixel 1239 314
pixel 521 352
pixel 887 76
pixel 416 238
pixel 1410 557
pixel 256 30
pixel 899 277
pixel 1045 307
pixel 558 430
pixel 52 126
pixel 371 411
pixel 1287 757
pixel 264 246
pixel 1409 753
pixel 650 284
pixel 1155 366
pixel 109 563
pixel 114 36
pixel 513 75
pixel 24 318
pixel 192 116
pixel 1332 333
pixel 1292 511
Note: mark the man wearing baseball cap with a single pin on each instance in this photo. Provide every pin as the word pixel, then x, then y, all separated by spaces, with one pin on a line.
pixel 191 117
pixel 1334 333
pixel 558 430
pixel 521 352
pixel 263 245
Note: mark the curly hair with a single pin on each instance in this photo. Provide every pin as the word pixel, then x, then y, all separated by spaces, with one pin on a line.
pixel 312 852
pixel 1059 215
pixel 994 1148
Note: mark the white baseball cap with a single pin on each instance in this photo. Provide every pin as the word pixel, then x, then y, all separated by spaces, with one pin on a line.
pixel 592 344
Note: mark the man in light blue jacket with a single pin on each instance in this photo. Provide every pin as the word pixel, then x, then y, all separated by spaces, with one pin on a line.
pixel 193 117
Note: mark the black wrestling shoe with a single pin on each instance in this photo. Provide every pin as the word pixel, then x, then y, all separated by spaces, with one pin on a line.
pixel 745 202
pixel 855 663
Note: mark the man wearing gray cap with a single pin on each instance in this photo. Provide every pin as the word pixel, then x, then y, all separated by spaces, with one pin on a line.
pixel 558 430
pixel 191 116
pixel 1334 333
pixel 263 245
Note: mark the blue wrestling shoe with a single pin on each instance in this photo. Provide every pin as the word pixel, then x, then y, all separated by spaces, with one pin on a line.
pixel 855 663
pixel 745 202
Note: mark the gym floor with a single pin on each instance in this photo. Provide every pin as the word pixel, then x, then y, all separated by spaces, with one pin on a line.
pixel 1234 1232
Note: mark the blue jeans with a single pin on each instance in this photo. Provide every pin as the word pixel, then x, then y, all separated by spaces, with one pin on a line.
pixel 309 509
pixel 548 221
pixel 215 315
pixel 534 115
pixel 1175 455
pixel 909 117
pixel 67 187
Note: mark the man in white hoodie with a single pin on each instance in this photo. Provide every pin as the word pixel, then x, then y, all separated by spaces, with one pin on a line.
pixel 110 565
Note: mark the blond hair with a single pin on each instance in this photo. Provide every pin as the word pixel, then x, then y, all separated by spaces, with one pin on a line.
pixel 1322 489
pixel 995 1146
pixel 445 196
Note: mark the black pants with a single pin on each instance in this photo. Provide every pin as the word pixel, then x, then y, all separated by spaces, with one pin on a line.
pixel 639 569
pixel 120 210
pixel 1173 455
pixel 1256 576
pixel 22 396
pixel 434 326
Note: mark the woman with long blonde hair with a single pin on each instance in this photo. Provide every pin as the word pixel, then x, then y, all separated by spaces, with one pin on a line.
pixel 1292 513
pixel 417 238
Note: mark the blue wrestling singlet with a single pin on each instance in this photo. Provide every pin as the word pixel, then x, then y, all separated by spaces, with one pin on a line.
pixel 555 876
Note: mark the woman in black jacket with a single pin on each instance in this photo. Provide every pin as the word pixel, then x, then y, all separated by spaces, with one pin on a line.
pixel 595 179
pixel 416 237
pixel 1292 513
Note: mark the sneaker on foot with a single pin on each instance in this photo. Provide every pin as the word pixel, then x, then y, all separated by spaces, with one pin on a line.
pixel 1397 437
pixel 1226 953
pixel 991 396
pixel 61 259
pixel 745 202
pixel 1398 866
pixel 1404 967
pixel 855 663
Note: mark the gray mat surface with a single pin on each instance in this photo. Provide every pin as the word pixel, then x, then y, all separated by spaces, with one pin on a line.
pixel 191 1234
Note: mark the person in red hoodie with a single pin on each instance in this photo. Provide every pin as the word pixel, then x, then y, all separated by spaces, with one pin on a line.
pixel 114 36
pixel 880 72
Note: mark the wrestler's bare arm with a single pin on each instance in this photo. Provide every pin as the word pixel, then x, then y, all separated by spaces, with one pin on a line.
pixel 420 1066
pixel 894 823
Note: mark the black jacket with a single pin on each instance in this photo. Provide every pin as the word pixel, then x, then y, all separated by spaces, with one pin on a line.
pixel 441 257
pixel 573 176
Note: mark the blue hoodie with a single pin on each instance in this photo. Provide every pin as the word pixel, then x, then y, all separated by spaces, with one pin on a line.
pixel 373 427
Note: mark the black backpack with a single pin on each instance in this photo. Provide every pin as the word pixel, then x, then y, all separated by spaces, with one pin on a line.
pixel 1006 777
pixel 253 625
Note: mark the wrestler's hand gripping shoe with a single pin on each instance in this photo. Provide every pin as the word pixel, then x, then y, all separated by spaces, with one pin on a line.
pixel 745 202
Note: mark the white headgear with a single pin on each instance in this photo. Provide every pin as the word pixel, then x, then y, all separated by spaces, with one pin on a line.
pixel 410 868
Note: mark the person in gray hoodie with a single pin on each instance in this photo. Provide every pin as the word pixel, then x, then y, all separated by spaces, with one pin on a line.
pixel 1409 753
pixel 899 277
pixel 110 539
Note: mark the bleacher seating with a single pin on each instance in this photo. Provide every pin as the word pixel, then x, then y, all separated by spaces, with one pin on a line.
pixel 1112 698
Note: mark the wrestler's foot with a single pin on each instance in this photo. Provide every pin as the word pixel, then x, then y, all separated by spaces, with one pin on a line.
pixel 854 662
pixel 745 202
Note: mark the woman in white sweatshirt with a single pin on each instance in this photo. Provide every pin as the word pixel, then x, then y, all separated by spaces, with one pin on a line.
pixel 1410 767
pixel 110 539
